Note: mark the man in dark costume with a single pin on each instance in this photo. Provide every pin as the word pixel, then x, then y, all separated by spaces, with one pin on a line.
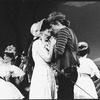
pixel 65 52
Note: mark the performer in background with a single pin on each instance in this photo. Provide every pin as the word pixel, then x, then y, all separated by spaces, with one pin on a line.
pixel 43 85
pixel 86 70
pixel 7 70
pixel 65 53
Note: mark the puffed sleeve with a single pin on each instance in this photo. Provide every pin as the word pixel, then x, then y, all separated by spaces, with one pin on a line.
pixel 16 71
pixel 94 68
pixel 3 71
pixel 61 41
pixel 41 50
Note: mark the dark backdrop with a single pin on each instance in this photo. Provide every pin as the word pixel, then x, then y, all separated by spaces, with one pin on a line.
pixel 16 18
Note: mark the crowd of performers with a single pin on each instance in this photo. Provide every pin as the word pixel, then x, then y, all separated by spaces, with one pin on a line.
pixel 56 65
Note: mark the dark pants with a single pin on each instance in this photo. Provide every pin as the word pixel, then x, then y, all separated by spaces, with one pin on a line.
pixel 66 84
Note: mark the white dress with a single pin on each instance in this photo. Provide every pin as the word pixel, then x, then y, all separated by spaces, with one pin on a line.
pixel 7 89
pixel 84 81
pixel 43 85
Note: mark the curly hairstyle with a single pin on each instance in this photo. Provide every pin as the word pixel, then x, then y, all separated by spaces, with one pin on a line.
pixel 10 51
pixel 58 16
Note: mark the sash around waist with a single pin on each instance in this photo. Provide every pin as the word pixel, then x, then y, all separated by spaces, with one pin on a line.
pixel 84 75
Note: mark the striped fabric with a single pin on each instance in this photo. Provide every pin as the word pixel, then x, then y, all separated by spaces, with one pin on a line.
pixel 62 39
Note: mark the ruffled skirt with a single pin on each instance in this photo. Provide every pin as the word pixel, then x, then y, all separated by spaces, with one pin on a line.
pixel 9 91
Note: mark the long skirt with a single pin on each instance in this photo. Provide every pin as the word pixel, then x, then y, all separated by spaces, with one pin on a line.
pixel 85 89
pixel 43 84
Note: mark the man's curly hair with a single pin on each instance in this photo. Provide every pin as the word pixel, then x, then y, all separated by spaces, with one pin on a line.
pixel 58 16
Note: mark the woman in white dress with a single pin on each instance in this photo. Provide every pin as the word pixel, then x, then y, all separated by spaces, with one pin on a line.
pixel 43 85
pixel 7 89
pixel 87 69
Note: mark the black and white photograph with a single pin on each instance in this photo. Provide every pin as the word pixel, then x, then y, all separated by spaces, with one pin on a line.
pixel 49 49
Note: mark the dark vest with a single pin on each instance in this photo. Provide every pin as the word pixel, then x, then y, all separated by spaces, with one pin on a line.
pixel 69 57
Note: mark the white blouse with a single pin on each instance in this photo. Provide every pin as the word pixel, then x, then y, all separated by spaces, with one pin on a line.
pixel 89 67
pixel 7 70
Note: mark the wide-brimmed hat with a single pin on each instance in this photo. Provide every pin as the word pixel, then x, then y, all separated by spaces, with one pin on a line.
pixel 35 28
